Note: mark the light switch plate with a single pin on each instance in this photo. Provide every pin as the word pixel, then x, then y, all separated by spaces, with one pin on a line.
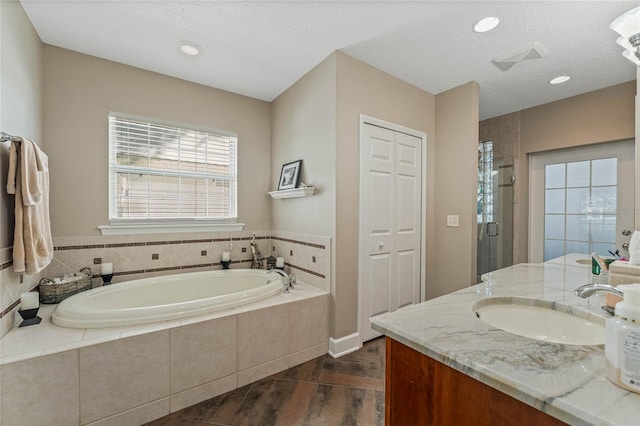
pixel 453 220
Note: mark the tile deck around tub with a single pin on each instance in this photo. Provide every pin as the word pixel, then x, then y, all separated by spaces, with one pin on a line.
pixel 46 338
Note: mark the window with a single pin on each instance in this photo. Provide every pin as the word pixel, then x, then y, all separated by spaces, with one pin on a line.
pixel 485 182
pixel 581 200
pixel 167 174
pixel 580 205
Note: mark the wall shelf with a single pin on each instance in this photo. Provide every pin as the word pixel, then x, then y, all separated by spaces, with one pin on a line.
pixel 294 193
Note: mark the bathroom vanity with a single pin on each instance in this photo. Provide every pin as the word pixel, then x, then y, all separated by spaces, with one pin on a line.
pixel 446 366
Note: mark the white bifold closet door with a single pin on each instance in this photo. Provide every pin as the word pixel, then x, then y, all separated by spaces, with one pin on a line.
pixel 391 191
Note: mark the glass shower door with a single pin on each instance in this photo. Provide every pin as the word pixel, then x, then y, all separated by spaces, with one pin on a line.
pixel 495 209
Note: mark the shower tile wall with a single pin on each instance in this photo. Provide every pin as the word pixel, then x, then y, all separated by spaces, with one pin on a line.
pixel 504 131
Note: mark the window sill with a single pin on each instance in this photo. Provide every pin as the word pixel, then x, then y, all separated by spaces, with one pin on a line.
pixel 167 228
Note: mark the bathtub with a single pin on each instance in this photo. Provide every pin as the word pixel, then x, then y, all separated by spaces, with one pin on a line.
pixel 164 298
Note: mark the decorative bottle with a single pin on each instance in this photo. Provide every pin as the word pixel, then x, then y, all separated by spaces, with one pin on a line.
pixel 622 340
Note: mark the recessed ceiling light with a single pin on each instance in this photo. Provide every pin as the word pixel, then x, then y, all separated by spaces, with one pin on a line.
pixel 560 79
pixel 486 24
pixel 189 48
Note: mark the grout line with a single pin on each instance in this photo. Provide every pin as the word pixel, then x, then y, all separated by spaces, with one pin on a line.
pixel 244 398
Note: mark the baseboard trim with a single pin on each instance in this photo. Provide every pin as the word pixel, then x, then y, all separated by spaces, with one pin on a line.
pixel 344 345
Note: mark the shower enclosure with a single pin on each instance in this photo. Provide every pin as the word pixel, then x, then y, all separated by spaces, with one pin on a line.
pixel 495 209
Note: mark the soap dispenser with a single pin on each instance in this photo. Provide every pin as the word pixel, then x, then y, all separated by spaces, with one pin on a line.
pixel 622 340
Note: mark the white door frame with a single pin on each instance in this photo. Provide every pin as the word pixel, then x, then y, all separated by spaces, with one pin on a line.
pixel 364 119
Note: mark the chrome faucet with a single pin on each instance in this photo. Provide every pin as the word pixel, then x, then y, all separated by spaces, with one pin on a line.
pixel 288 284
pixel 587 290
pixel 256 257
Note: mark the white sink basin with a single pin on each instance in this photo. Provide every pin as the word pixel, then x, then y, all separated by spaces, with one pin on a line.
pixel 541 320
pixel 584 261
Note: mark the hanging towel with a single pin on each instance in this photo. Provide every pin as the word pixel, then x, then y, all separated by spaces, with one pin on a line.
pixel 29 180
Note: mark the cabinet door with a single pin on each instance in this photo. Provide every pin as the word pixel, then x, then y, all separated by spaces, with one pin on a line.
pixel 422 391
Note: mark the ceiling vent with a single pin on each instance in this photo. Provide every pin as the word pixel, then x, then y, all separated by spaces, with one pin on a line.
pixel 533 51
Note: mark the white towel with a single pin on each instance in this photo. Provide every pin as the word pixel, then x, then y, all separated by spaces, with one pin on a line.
pixel 634 249
pixel 28 179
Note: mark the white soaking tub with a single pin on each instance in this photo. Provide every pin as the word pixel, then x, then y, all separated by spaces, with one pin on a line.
pixel 163 298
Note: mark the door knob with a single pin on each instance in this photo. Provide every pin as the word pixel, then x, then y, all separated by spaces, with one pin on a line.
pixel 380 245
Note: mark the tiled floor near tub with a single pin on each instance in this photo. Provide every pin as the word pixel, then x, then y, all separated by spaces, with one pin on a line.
pixel 324 391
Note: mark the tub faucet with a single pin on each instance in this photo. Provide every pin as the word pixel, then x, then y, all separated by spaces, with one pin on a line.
pixel 286 278
pixel 587 290
pixel 256 256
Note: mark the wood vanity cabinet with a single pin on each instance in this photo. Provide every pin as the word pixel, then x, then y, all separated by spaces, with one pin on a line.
pixel 422 391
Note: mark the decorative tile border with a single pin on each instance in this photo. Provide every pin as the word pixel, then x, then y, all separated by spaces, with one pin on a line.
pixel 302 243
pixel 157 243
pixel 11 307
pixel 309 247
pixel 317 274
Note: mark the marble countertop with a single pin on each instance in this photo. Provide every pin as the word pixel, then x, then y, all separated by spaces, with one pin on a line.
pixel 566 381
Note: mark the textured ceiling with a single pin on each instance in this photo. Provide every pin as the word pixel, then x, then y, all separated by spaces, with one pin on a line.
pixel 259 49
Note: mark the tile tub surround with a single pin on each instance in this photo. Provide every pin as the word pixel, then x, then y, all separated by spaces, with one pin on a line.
pixel 133 258
pixel 567 382
pixel 132 375
pixel 141 256
pixel 11 286
pixel 309 256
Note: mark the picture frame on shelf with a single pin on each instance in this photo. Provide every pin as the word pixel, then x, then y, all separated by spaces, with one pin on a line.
pixel 290 175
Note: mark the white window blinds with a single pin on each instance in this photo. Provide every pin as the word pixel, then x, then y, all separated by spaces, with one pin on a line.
pixel 161 172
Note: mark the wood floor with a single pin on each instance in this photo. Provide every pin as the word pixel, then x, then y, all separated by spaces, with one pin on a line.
pixel 324 391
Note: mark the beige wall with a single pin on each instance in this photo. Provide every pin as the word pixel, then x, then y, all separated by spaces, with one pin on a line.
pixel 20 94
pixel 303 127
pixel 21 80
pixel 317 119
pixel 455 189
pixel 601 116
pixel 362 89
pixel 79 93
